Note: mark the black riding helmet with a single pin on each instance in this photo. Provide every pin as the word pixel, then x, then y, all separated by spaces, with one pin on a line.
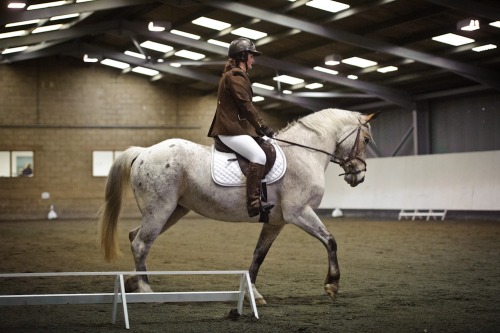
pixel 243 46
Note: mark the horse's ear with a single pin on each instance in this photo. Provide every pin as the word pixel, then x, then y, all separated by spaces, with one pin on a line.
pixel 372 116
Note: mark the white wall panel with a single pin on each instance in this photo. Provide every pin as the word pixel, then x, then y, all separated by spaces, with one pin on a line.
pixel 460 181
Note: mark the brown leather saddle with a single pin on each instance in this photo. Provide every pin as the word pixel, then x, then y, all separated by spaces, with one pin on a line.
pixel 268 149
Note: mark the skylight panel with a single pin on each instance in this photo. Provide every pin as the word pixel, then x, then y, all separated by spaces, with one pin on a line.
pixel 359 62
pixel 16 33
pixel 328 5
pixel 218 42
pixel 288 79
pixel 156 46
pixel 14 49
pixel 145 71
pixel 325 70
pixel 453 39
pixel 135 54
pixel 263 86
pixel 352 77
pixel 189 55
pixel 211 23
pixel 115 63
pixel 64 17
pixel 16 5
pixel 314 85
pixel 46 28
pixel 47 5
pixel 257 99
pixel 387 69
pixel 249 33
pixel 484 48
pixel 185 34
pixel 287 92
pixel 16 24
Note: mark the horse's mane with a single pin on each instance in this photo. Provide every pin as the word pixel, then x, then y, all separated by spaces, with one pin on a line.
pixel 326 121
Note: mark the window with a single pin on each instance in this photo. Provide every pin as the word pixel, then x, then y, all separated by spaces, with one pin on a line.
pixel 102 160
pixel 17 164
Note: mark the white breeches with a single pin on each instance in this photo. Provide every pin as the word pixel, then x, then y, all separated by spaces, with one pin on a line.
pixel 246 146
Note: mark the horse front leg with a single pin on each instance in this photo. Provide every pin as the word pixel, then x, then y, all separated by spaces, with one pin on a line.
pixel 308 221
pixel 267 236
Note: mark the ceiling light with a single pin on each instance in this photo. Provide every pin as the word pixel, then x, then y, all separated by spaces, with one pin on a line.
pixel 16 5
pixel 16 24
pixel 14 49
pixel 495 24
pixel 46 28
pixel 325 70
pixel 189 55
pixel 211 23
pixel 185 34
pixel 249 33
pixel 468 25
pixel 156 46
pixel 288 79
pixel 263 86
pixel 78 1
pixel 453 39
pixel 257 99
pixel 47 5
pixel 484 48
pixel 135 54
pixel 175 64
pixel 90 58
pixel 16 33
pixel 287 92
pixel 387 69
pixel 218 42
pixel 153 27
pixel 313 85
pixel 145 71
pixel 332 59
pixel 359 62
pixel 328 5
pixel 63 17
pixel 115 63
pixel 352 77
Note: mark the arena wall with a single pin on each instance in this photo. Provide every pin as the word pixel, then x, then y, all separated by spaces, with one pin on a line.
pixel 459 181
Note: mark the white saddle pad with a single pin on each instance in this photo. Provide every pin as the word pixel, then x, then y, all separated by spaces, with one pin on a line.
pixel 226 170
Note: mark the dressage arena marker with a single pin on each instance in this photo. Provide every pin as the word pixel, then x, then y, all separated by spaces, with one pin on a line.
pixel 120 296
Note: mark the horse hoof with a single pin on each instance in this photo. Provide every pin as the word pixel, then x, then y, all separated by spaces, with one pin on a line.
pixel 131 284
pixel 260 301
pixel 332 290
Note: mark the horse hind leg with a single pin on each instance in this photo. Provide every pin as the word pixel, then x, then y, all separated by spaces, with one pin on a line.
pixel 142 239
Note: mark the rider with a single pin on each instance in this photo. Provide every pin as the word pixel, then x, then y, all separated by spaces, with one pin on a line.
pixel 236 122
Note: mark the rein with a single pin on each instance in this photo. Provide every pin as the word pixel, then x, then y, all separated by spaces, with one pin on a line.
pixel 346 162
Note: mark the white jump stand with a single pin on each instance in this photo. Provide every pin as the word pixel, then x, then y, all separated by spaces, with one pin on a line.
pixel 421 214
pixel 120 296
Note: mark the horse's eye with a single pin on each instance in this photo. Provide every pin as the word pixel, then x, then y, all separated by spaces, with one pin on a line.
pixel 366 140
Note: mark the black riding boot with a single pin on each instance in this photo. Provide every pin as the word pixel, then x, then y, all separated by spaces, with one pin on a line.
pixel 254 206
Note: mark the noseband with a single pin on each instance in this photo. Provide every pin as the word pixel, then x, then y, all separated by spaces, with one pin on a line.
pixel 343 162
pixel 352 156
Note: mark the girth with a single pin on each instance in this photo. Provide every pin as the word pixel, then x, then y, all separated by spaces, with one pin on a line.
pixel 242 161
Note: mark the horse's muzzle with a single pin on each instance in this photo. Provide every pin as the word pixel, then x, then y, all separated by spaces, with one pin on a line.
pixel 354 178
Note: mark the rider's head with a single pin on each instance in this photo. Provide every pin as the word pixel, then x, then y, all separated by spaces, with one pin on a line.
pixel 239 50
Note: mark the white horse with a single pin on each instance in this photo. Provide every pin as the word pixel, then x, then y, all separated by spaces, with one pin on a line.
pixel 173 177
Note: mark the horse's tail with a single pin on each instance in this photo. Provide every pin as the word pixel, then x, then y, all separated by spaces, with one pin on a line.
pixel 118 179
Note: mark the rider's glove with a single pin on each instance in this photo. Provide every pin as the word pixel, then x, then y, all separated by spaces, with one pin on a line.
pixel 267 131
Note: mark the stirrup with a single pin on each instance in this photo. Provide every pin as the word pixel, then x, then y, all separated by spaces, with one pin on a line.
pixel 264 213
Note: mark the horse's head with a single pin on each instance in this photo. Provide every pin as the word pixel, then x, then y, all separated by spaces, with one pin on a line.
pixel 350 151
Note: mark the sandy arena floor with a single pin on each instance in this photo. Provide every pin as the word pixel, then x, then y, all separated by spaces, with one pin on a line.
pixel 396 277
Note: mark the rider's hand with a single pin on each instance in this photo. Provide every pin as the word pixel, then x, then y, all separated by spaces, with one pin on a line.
pixel 268 131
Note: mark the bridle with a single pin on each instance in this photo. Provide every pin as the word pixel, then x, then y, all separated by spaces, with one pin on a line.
pixel 345 162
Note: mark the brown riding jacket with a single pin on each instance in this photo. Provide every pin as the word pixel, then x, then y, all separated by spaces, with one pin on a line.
pixel 235 113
